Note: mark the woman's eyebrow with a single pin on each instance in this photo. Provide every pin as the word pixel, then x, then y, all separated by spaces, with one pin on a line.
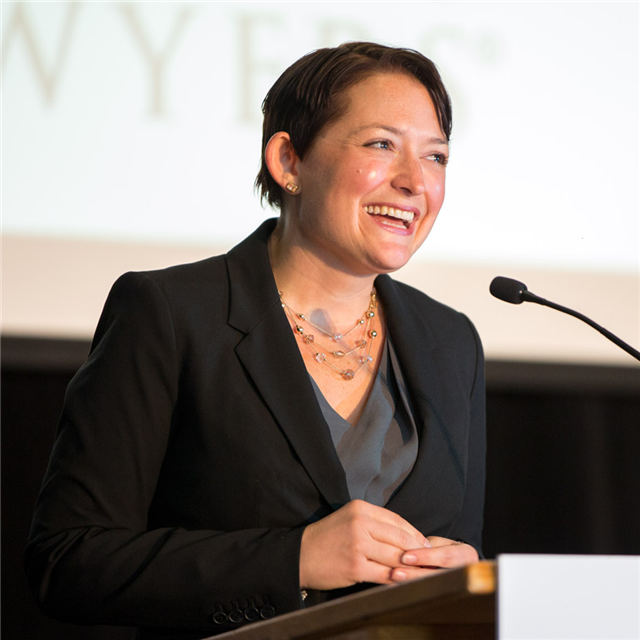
pixel 397 132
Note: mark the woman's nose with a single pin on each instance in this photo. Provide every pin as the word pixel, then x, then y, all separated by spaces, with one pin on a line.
pixel 409 177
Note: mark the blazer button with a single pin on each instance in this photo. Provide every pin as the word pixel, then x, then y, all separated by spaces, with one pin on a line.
pixel 267 611
pixel 219 617
pixel 235 615
pixel 251 614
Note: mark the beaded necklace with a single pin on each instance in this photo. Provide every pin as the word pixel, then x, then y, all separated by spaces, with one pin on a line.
pixel 342 348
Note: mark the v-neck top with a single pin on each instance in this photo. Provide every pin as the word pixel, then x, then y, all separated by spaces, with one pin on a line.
pixel 377 453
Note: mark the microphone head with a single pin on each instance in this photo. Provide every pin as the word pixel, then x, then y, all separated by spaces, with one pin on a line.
pixel 507 289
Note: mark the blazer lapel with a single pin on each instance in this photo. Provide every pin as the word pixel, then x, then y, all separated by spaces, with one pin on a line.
pixel 271 357
pixel 421 360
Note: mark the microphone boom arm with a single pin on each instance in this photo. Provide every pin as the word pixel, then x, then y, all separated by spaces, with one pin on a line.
pixel 527 296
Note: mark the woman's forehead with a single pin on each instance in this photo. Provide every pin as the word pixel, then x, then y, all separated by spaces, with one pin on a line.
pixel 394 102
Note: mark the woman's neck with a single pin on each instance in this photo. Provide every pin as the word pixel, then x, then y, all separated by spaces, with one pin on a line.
pixel 312 286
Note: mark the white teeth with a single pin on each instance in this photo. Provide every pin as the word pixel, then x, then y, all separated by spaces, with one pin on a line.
pixel 390 211
pixel 392 223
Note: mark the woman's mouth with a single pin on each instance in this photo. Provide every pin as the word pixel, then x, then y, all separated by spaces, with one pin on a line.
pixel 404 217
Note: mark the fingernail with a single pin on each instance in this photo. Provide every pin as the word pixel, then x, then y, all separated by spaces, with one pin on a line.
pixel 427 543
pixel 409 558
pixel 398 576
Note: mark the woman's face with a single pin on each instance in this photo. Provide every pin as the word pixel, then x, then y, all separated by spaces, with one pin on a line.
pixel 386 154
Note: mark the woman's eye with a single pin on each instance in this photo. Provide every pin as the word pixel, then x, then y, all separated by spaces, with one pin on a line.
pixel 440 158
pixel 380 144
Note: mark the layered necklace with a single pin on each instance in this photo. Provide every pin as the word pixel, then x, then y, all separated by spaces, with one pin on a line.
pixel 358 350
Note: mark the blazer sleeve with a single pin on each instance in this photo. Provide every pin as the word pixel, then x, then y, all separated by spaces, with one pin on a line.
pixel 91 558
pixel 468 525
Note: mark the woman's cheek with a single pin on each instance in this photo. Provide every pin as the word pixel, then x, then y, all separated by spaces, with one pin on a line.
pixel 370 176
pixel 436 193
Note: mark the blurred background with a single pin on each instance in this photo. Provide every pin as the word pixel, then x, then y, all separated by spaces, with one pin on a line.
pixel 131 140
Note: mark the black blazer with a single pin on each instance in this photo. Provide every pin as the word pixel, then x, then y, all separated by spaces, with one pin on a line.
pixel 191 451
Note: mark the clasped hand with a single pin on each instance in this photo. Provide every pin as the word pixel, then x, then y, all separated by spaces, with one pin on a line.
pixel 364 543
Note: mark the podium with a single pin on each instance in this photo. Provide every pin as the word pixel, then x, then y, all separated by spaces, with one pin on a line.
pixel 542 597
pixel 458 604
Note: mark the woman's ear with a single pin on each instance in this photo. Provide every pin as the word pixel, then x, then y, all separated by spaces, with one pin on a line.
pixel 282 161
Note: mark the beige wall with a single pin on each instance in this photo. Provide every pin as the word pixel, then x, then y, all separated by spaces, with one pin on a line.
pixel 56 288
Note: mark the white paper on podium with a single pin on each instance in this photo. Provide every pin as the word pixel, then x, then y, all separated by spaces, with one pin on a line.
pixel 562 597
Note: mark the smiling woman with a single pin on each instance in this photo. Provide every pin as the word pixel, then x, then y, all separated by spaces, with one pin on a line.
pixel 370 187
pixel 265 430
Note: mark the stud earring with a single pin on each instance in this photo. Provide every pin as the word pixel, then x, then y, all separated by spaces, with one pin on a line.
pixel 292 187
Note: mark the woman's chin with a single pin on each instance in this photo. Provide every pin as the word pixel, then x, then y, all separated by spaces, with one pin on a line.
pixel 391 261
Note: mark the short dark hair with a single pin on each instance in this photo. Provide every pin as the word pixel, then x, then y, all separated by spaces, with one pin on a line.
pixel 307 96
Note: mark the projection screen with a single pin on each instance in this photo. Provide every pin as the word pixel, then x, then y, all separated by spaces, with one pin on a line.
pixel 131 139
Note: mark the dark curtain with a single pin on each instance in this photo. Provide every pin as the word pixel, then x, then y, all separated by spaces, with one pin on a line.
pixel 563 464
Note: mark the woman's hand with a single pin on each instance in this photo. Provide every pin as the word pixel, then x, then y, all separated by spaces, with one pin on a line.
pixel 358 543
pixel 443 554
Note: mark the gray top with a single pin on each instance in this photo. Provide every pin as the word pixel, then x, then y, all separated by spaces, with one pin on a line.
pixel 379 452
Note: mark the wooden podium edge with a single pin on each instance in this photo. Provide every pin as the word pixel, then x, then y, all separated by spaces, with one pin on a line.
pixel 481 577
pixel 440 593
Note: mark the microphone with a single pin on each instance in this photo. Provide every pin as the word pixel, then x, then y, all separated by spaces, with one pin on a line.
pixel 514 292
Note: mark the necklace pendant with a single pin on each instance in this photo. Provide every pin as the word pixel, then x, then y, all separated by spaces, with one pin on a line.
pixel 337 337
pixel 361 344
pixel 320 357
pixel 348 374
pixel 308 338
pixel 338 354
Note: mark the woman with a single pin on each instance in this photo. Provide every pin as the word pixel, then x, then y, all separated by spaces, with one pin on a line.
pixel 268 429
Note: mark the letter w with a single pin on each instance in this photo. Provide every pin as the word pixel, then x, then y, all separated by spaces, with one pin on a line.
pixel 49 80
